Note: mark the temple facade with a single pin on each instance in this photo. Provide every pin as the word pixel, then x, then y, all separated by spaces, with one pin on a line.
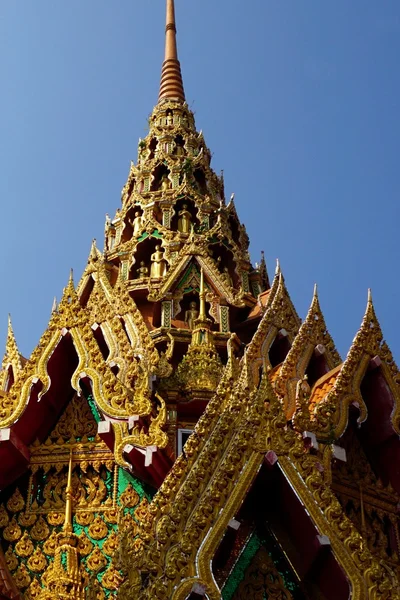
pixel 179 432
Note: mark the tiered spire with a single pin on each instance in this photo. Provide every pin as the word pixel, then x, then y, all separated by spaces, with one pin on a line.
pixel 171 86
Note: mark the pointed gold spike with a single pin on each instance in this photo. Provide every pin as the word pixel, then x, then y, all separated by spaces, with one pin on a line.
pixel 278 267
pixel 68 500
pixel 171 86
pixel 202 296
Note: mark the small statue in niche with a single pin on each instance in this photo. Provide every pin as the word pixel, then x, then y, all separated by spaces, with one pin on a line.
pixel 170 119
pixel 303 390
pixel 185 220
pixel 227 277
pixel 136 223
pixel 158 264
pixel 191 315
pixel 142 270
pixel 165 183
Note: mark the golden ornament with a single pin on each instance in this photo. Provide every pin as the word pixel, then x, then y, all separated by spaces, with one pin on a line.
pixel 37 562
pixel 96 560
pixel 84 518
pixel 55 519
pixel 24 546
pixel 34 589
pixel 16 502
pixel 11 559
pixel 112 578
pixel 40 531
pixel 27 520
pixel 4 518
pixel 51 544
pixel 111 544
pixel 98 529
pixel 129 498
pixel 13 531
pixel 22 577
pixel 85 546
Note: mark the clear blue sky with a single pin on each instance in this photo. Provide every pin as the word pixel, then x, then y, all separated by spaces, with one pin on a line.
pixel 298 101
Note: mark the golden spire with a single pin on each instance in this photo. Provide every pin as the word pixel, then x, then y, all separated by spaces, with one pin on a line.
pixel 171 86
pixel 202 296
pixel 68 499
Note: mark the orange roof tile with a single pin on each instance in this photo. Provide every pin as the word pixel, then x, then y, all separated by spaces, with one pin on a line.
pixel 324 385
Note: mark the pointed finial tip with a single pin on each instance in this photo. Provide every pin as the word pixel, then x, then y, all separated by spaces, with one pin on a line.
pixel 278 267
pixel 171 86
pixel 369 295
pixel 315 290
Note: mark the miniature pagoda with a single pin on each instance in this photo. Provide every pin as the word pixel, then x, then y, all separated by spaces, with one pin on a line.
pixel 178 432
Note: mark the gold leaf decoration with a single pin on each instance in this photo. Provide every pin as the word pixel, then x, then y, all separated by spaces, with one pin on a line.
pixel 55 519
pixel 111 544
pixel 40 531
pixel 141 513
pixel 37 562
pixel 34 589
pixel 96 560
pixel 22 577
pixel 11 559
pixel 112 578
pixel 84 518
pixel 12 532
pixel 26 520
pixel 4 518
pixel 85 546
pixel 129 498
pixel 98 529
pixel 127 522
pixel 24 547
pixel 16 502
pixel 51 544
pixel 111 516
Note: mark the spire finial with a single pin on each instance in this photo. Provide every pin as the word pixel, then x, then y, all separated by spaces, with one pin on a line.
pixel 202 295
pixel 171 86
pixel 68 500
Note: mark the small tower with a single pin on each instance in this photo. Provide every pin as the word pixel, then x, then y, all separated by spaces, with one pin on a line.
pixel 64 579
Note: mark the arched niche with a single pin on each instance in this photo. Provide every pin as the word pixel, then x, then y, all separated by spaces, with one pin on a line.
pixel 160 175
pixel 318 365
pixel 190 207
pixel 143 253
pixel 153 148
pixel 184 303
pixel 279 348
pixel 131 187
pixel 224 261
pixel 132 213
pixel 200 181
pixel 278 526
pixel 179 148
